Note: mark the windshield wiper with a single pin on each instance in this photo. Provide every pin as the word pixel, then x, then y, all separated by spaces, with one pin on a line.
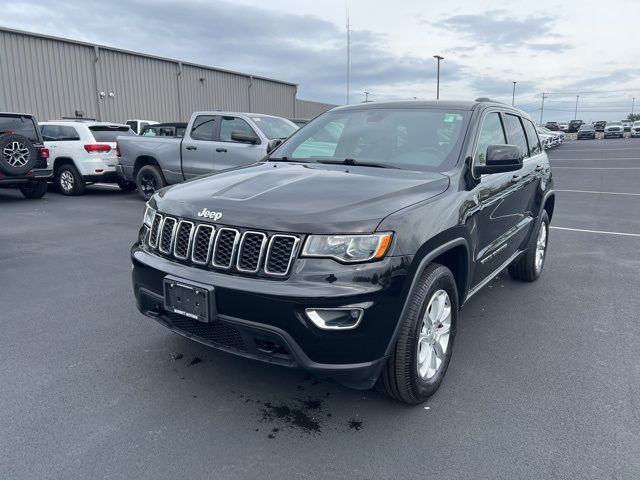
pixel 286 159
pixel 351 161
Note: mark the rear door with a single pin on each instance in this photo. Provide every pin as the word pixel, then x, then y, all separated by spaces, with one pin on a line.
pixel 498 217
pixel 228 152
pixel 198 145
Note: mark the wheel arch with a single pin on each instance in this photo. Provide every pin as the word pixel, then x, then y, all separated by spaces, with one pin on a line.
pixel 549 204
pixel 455 254
pixel 60 161
pixel 143 160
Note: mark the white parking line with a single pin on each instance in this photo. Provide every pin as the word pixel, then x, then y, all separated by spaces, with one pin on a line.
pixel 600 193
pixel 623 234
pixel 598 168
pixel 592 159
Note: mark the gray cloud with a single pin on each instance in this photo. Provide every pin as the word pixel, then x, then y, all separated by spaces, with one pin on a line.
pixel 497 29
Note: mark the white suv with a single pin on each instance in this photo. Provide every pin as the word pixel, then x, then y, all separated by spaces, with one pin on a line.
pixel 83 152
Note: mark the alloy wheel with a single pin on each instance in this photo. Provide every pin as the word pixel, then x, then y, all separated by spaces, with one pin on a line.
pixel 541 246
pixel 148 184
pixel 67 181
pixel 16 154
pixel 434 335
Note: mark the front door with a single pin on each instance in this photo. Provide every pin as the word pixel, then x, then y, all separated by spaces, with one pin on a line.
pixel 228 152
pixel 499 220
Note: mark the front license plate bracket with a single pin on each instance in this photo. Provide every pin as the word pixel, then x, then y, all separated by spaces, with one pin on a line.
pixel 190 299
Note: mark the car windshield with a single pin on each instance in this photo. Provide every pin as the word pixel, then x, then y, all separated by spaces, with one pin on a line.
pixel 423 139
pixel 613 124
pixel 109 133
pixel 586 127
pixel 274 127
pixel 637 122
pixel 21 125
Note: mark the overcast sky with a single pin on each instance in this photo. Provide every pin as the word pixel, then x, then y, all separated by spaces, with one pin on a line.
pixel 564 47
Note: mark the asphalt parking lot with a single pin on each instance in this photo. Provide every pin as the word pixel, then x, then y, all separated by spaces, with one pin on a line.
pixel 544 381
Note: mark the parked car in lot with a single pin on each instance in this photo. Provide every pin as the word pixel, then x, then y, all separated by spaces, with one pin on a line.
pixel 563 126
pixel 614 129
pixel 175 129
pixel 599 125
pixel 635 129
pixel 214 141
pixel 84 152
pixel 574 125
pixel 626 124
pixel 586 132
pixel 555 138
pixel 23 155
pixel 352 261
pixel 138 125
pixel 553 126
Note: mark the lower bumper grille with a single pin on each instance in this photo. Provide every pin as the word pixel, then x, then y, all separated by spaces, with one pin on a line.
pixel 217 332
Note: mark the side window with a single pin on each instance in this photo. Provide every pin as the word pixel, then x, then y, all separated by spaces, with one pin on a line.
pixel 68 134
pixel 515 133
pixel 491 133
pixel 233 124
pixel 50 133
pixel 203 128
pixel 532 138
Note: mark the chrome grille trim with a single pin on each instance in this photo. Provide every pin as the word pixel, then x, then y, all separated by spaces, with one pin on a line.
pixel 240 251
pixel 173 234
pixel 292 257
pixel 233 249
pixel 212 236
pixel 158 229
pixel 189 241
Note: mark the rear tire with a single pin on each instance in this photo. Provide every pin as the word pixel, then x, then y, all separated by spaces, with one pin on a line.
pixel 423 349
pixel 149 180
pixel 127 186
pixel 69 181
pixel 34 190
pixel 528 267
pixel 17 154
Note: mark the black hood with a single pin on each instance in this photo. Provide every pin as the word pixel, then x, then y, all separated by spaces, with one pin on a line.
pixel 302 198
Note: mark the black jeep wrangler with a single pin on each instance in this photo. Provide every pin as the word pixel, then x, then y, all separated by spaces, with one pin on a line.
pixel 23 157
pixel 349 250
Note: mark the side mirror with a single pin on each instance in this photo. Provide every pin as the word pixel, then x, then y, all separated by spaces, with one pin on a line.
pixel 500 158
pixel 273 144
pixel 243 137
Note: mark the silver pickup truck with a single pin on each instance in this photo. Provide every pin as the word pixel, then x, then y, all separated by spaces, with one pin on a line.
pixel 213 141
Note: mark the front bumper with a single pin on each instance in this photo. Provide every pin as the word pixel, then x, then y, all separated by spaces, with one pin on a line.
pixel 264 319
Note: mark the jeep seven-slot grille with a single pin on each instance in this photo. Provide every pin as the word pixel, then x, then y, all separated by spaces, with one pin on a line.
pixel 223 248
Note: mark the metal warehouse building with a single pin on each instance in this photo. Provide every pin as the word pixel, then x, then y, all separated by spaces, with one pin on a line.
pixel 54 77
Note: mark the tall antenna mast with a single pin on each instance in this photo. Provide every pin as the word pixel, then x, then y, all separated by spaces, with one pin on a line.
pixel 348 50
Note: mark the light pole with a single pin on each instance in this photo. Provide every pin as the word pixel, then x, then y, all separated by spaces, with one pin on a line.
pixel 544 95
pixel 633 104
pixel 438 57
pixel 575 115
pixel 513 96
pixel 366 96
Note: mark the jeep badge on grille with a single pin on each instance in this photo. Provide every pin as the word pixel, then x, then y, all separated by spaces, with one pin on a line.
pixel 206 213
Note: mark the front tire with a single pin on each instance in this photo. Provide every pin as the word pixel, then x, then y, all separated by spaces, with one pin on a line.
pixel 149 180
pixel 34 190
pixel 528 267
pixel 69 181
pixel 423 349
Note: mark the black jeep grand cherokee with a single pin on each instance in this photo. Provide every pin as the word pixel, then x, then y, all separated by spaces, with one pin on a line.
pixel 349 250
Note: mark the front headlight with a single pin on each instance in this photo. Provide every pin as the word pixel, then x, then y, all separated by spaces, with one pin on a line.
pixel 149 214
pixel 348 248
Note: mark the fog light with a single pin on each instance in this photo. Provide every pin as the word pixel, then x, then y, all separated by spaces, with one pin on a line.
pixel 343 318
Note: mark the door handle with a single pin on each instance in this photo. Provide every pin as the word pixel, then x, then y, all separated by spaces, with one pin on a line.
pixel 516 178
pixel 192 148
pixel 221 150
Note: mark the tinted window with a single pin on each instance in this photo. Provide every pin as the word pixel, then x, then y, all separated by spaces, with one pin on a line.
pixel 109 134
pixel 491 133
pixel 515 133
pixel 59 133
pixel 410 138
pixel 532 137
pixel 20 125
pixel 133 124
pixel 274 127
pixel 233 124
pixel 203 128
